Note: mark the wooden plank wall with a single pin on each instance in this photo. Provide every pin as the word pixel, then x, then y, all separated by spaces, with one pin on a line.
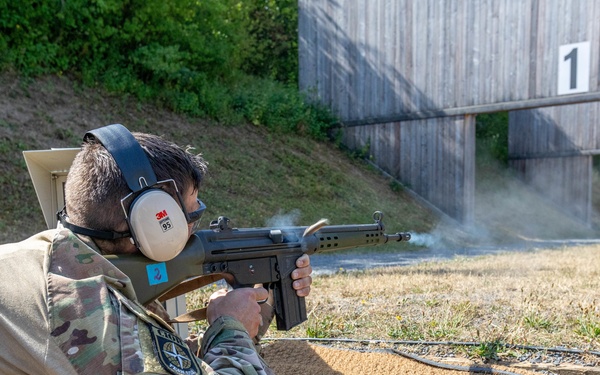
pixel 372 60
pixel 379 58
pixel 436 156
pixel 562 130
pixel 552 150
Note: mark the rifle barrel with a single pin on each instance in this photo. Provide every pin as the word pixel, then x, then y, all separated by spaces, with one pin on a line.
pixel 398 237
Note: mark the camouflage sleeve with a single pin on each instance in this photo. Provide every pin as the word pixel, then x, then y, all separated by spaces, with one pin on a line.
pixel 228 349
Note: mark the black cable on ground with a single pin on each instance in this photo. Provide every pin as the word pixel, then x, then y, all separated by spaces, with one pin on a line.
pixel 431 343
pixel 478 369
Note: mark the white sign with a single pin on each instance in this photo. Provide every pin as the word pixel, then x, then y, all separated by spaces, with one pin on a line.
pixel 574 68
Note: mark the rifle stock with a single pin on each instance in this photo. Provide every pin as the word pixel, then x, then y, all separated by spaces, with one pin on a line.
pixel 249 256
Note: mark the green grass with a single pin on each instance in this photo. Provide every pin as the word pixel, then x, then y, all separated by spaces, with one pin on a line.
pixel 589 328
pixel 329 326
pixel 255 174
pixel 487 350
pixel 535 321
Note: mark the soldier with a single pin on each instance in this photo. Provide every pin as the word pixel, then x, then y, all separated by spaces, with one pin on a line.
pixel 67 310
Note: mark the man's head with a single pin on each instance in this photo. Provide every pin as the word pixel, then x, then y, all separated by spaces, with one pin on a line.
pixel 96 185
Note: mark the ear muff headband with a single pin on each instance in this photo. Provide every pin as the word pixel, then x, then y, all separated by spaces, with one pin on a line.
pixel 128 155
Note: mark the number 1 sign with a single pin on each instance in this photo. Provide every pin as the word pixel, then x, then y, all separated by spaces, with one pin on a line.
pixel 574 68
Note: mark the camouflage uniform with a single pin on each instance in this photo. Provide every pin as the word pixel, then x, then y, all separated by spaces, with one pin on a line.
pixel 67 310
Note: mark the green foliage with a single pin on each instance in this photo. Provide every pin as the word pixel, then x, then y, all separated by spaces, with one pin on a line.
pixel 273 26
pixel 488 350
pixel 362 153
pixel 281 108
pixel 406 331
pixel 492 135
pixel 328 327
pixel 17 212
pixel 26 36
pixel 535 321
pixel 396 186
pixel 195 57
pixel 588 326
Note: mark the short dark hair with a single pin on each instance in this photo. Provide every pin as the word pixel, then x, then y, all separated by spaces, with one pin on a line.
pixel 95 184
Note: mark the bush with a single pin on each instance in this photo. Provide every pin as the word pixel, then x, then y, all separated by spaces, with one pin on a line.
pixel 273 27
pixel 281 108
pixel 215 58
pixel 492 135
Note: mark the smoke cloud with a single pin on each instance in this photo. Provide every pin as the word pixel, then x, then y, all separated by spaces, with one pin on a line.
pixel 424 239
pixel 284 220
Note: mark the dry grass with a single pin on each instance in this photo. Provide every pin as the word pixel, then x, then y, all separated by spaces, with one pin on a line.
pixel 546 298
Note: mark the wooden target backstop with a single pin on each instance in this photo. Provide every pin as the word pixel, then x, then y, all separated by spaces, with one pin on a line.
pixel 408 77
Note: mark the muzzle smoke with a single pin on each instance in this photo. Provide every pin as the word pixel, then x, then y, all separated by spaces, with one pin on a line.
pixel 424 239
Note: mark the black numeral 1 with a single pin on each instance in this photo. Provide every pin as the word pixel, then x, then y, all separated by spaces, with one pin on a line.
pixel 573 57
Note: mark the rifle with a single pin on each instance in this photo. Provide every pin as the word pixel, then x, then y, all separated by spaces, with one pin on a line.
pixel 245 257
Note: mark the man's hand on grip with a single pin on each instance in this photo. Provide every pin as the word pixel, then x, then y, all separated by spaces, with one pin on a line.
pixel 241 304
pixel 301 276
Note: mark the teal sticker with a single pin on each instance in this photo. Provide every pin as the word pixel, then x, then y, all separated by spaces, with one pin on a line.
pixel 157 273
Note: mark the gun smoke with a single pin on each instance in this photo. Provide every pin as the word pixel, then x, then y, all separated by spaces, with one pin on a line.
pixel 510 214
pixel 424 239
pixel 284 220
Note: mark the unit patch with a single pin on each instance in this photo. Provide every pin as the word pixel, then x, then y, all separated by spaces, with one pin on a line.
pixel 173 354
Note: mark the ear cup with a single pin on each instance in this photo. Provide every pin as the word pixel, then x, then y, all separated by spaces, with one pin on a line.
pixel 158 225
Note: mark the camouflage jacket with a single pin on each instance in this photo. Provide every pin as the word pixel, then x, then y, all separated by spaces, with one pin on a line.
pixel 67 310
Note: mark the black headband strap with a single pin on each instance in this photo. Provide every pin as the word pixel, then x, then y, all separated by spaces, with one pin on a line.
pixel 129 155
pixel 103 234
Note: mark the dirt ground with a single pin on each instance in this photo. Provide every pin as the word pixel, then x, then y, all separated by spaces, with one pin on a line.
pixel 298 357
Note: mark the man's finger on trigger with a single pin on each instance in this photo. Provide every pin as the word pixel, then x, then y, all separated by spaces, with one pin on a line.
pixel 303 261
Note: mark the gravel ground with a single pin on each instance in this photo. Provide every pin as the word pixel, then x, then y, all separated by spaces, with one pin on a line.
pixel 327 263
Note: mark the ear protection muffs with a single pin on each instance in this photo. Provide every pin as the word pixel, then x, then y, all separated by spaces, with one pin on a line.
pixel 158 225
pixel 157 222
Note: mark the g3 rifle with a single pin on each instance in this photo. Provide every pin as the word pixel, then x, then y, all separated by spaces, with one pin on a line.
pixel 245 257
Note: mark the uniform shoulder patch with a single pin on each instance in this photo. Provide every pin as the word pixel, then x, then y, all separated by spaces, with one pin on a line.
pixel 173 354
